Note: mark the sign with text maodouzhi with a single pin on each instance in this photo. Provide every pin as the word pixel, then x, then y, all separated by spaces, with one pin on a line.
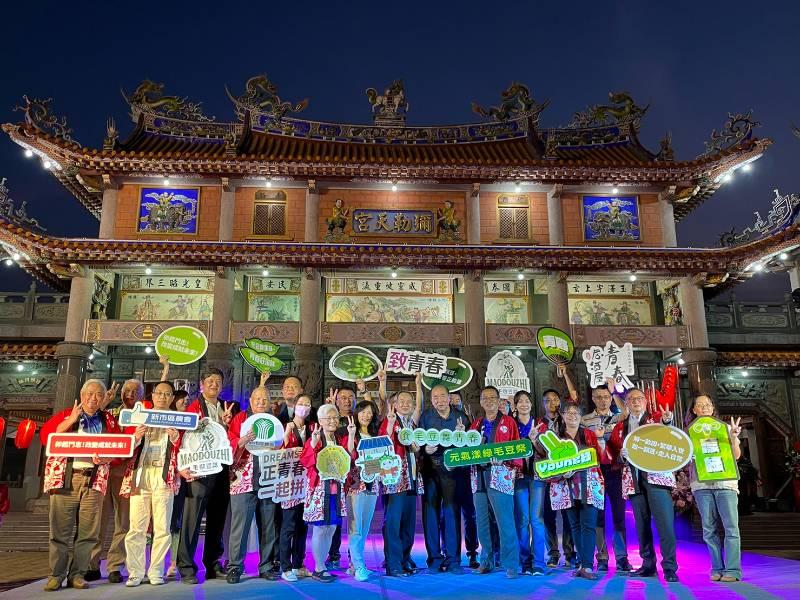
pixel 507 373
pixel 182 344
pixel 106 445
pixel 205 449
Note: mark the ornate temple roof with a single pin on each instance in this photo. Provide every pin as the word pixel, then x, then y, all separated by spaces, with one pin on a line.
pixel 51 259
pixel 173 136
pixel 760 358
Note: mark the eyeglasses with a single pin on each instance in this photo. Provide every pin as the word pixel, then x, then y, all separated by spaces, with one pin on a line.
pixel 163 394
pixel 329 418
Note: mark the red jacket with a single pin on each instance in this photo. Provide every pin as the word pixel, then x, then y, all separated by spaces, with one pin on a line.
pixel 294 440
pixel 620 432
pixel 399 448
pixel 308 458
pixel 505 430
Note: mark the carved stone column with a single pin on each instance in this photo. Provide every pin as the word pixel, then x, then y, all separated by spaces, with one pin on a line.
pixel 557 305
pixel 308 367
pixel 473 200
pixel 108 214
pixel 478 358
pixel 309 305
pixel 693 309
pixel 311 230
pixel 223 306
pixel 555 218
pixel 474 316
pixel 700 372
pixel 73 363
pixel 669 238
pixel 227 204
pixel 81 290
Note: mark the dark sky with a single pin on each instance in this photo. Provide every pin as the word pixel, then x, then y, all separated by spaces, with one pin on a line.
pixel 692 61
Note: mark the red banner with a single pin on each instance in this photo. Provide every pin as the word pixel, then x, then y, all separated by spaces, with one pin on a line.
pixel 112 445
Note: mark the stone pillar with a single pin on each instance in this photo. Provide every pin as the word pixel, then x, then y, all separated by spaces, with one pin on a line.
pixel 557 305
pixel 308 367
pixel 555 218
pixel 693 309
pixel 227 207
pixel 309 305
pixel 669 238
pixel 73 363
pixel 700 372
pixel 473 206
pixel 81 291
pixel 478 358
pixel 474 316
pixel 311 230
pixel 223 307
pixel 108 214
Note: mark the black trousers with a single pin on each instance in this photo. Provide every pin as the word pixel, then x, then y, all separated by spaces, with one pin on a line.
pixel 207 496
pixel 551 533
pixel 399 523
pixel 464 496
pixel 335 553
pixel 293 538
pixel 441 518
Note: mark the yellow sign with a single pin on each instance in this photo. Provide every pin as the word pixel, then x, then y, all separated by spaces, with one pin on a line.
pixel 658 448
pixel 333 462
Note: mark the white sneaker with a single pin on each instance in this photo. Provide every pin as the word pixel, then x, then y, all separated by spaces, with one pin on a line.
pixel 362 573
pixel 133 582
pixel 289 576
pixel 157 581
pixel 301 572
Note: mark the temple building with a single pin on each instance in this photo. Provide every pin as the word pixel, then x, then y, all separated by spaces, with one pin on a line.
pixel 460 239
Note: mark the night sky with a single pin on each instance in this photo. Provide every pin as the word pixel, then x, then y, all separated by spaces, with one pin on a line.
pixel 692 61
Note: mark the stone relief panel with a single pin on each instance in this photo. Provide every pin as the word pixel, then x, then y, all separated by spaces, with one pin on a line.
pixel 772 393
pixel 451 334
pixel 280 333
pixel 107 331
pixel 641 337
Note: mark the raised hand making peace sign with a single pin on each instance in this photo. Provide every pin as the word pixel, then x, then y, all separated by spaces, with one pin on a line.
pixel 351 426
pixel 227 413
pixel 736 427
pixel 666 414
pixel 332 393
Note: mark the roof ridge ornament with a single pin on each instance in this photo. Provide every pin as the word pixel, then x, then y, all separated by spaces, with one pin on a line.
pixel 737 128
pixel 38 116
pixel 261 95
pixel 783 213
pixel 665 152
pixel 389 109
pixel 622 110
pixel 18 216
pixel 149 98
pixel 515 102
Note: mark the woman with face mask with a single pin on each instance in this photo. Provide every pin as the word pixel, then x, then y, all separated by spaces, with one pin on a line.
pixel 293 528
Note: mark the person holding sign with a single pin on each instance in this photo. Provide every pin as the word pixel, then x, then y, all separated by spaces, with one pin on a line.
pixel 207 495
pixel 579 493
pixel 325 506
pixel 717 500
pixel 151 481
pixel 76 487
pixel 649 493
pixel 400 500
pixel 493 485
pixel 293 527
pixel 440 499
pixel 244 486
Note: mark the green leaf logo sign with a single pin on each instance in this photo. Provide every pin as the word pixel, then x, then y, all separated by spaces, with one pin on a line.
pixel 556 345
pixel 260 354
pixel 263 430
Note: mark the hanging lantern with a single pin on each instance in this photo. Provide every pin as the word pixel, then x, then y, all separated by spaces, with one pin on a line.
pixel 2 426
pixel 25 433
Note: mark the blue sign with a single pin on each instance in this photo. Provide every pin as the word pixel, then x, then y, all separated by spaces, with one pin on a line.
pixel 409 223
pixel 610 218
pixel 168 210
pixel 139 415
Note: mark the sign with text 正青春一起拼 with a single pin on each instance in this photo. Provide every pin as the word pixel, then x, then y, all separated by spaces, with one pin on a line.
pixel 282 477
pixel 713 450
pixel 107 445
pixel 165 419
pixel 563 456
pixel 477 455
pixel 182 344
pixel 410 223
pixel 260 354
pixel 657 448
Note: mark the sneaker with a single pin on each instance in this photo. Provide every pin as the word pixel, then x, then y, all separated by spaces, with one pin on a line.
pixel 602 565
pixel 552 564
pixel 79 583
pixel 289 576
pixel 511 574
pixel 333 565
pixel 537 572
pixel 302 572
pixel 323 576
pixel 190 580
pixel 133 582
pixel 362 573
pixel 527 571
pixel 716 576
pixel 114 577
pixel 725 578
pixel 92 575
pixel 234 576
pixel 473 563
pixel 53 584
pixel 157 581
pixel 172 572
pixel 485 569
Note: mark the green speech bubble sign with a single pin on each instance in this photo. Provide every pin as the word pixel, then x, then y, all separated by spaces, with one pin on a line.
pixel 456 376
pixel 182 344
pixel 556 345
pixel 263 346
pixel 261 361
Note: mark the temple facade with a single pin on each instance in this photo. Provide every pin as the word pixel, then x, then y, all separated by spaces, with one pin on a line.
pixel 459 239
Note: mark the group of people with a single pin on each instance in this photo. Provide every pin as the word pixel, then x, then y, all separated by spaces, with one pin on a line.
pixel 508 511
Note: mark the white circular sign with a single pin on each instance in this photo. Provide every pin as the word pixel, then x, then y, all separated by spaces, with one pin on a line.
pixel 268 429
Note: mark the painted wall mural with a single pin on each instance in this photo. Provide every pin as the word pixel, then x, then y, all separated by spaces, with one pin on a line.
pixel 610 311
pixel 168 210
pixel 149 306
pixel 388 309
pixel 610 218
pixel 273 307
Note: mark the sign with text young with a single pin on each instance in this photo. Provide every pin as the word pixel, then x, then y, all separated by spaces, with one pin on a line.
pixel 484 453
pixel 282 477
pixel 205 449
pixel 657 448
pixel 610 361
pixel 713 451
pixel 106 445
pixel 563 456
pixel 164 419
pixel 506 372
pixel 411 362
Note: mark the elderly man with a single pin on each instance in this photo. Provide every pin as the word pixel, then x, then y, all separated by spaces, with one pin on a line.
pixel 292 388
pixel 116 508
pixel 76 487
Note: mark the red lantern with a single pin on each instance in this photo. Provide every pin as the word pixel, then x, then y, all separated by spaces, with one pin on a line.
pixel 2 426
pixel 25 433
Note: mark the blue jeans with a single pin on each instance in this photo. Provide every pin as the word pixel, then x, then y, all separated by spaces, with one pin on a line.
pixel 717 506
pixel 503 508
pixel 583 521
pixel 529 514
pixel 654 503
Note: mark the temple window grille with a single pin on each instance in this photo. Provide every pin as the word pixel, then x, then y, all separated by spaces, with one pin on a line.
pixel 270 214
pixel 513 217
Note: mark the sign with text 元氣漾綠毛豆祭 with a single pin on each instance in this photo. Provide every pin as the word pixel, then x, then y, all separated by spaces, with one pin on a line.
pixel 610 362
pixel 164 419
pixel 563 456
pixel 182 344
pixel 478 455
pixel 439 437
pixel 556 345
pixel 260 354
pixel 410 223
pixel 657 448
pixel 713 451
pixel 282 477
pixel 411 362
pixel 507 373
pixel 206 449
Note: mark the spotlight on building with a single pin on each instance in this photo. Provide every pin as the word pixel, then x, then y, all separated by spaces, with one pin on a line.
pixel 8 262
pixel 520 276
pixel 615 190
pixel 148 271
pixel 783 256
pixel 91 356
pixel 631 277
pixel 727 177
pixel 758 267
pixel 747 167
pixel 681 361
pixel 517 352
pixel 166 180
pixel 108 365
pixel 745 373
pixel 28 153
pixel 20 367
pixel 517 188
pixel 269 183
pixel 394 187
pixel 15 256
pixel 47 164
pixel 394 274
pixel 265 272
pixel 148 350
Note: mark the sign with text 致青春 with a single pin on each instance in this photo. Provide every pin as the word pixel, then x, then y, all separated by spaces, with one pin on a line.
pixel 282 476
pixel 657 448
pixel 182 344
pixel 563 456
pixel 411 223
pixel 477 455
pixel 165 419
pixel 439 437
pixel 713 451
pixel 107 445
pixel 411 362
pixel 611 362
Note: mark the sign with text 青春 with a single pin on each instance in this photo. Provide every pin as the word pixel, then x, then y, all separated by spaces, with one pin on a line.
pixel 268 431
pixel 713 451
pixel 411 362
pixel 456 376
pixel 458 457
pixel 439 437
pixel 165 419
pixel 657 448
pixel 206 449
pixel 410 223
pixel 377 460
pixel 507 373
pixel 182 344
pixel 563 456
pixel 282 476
pixel 612 362
pixel 107 445
pixel 556 345
pixel 260 354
